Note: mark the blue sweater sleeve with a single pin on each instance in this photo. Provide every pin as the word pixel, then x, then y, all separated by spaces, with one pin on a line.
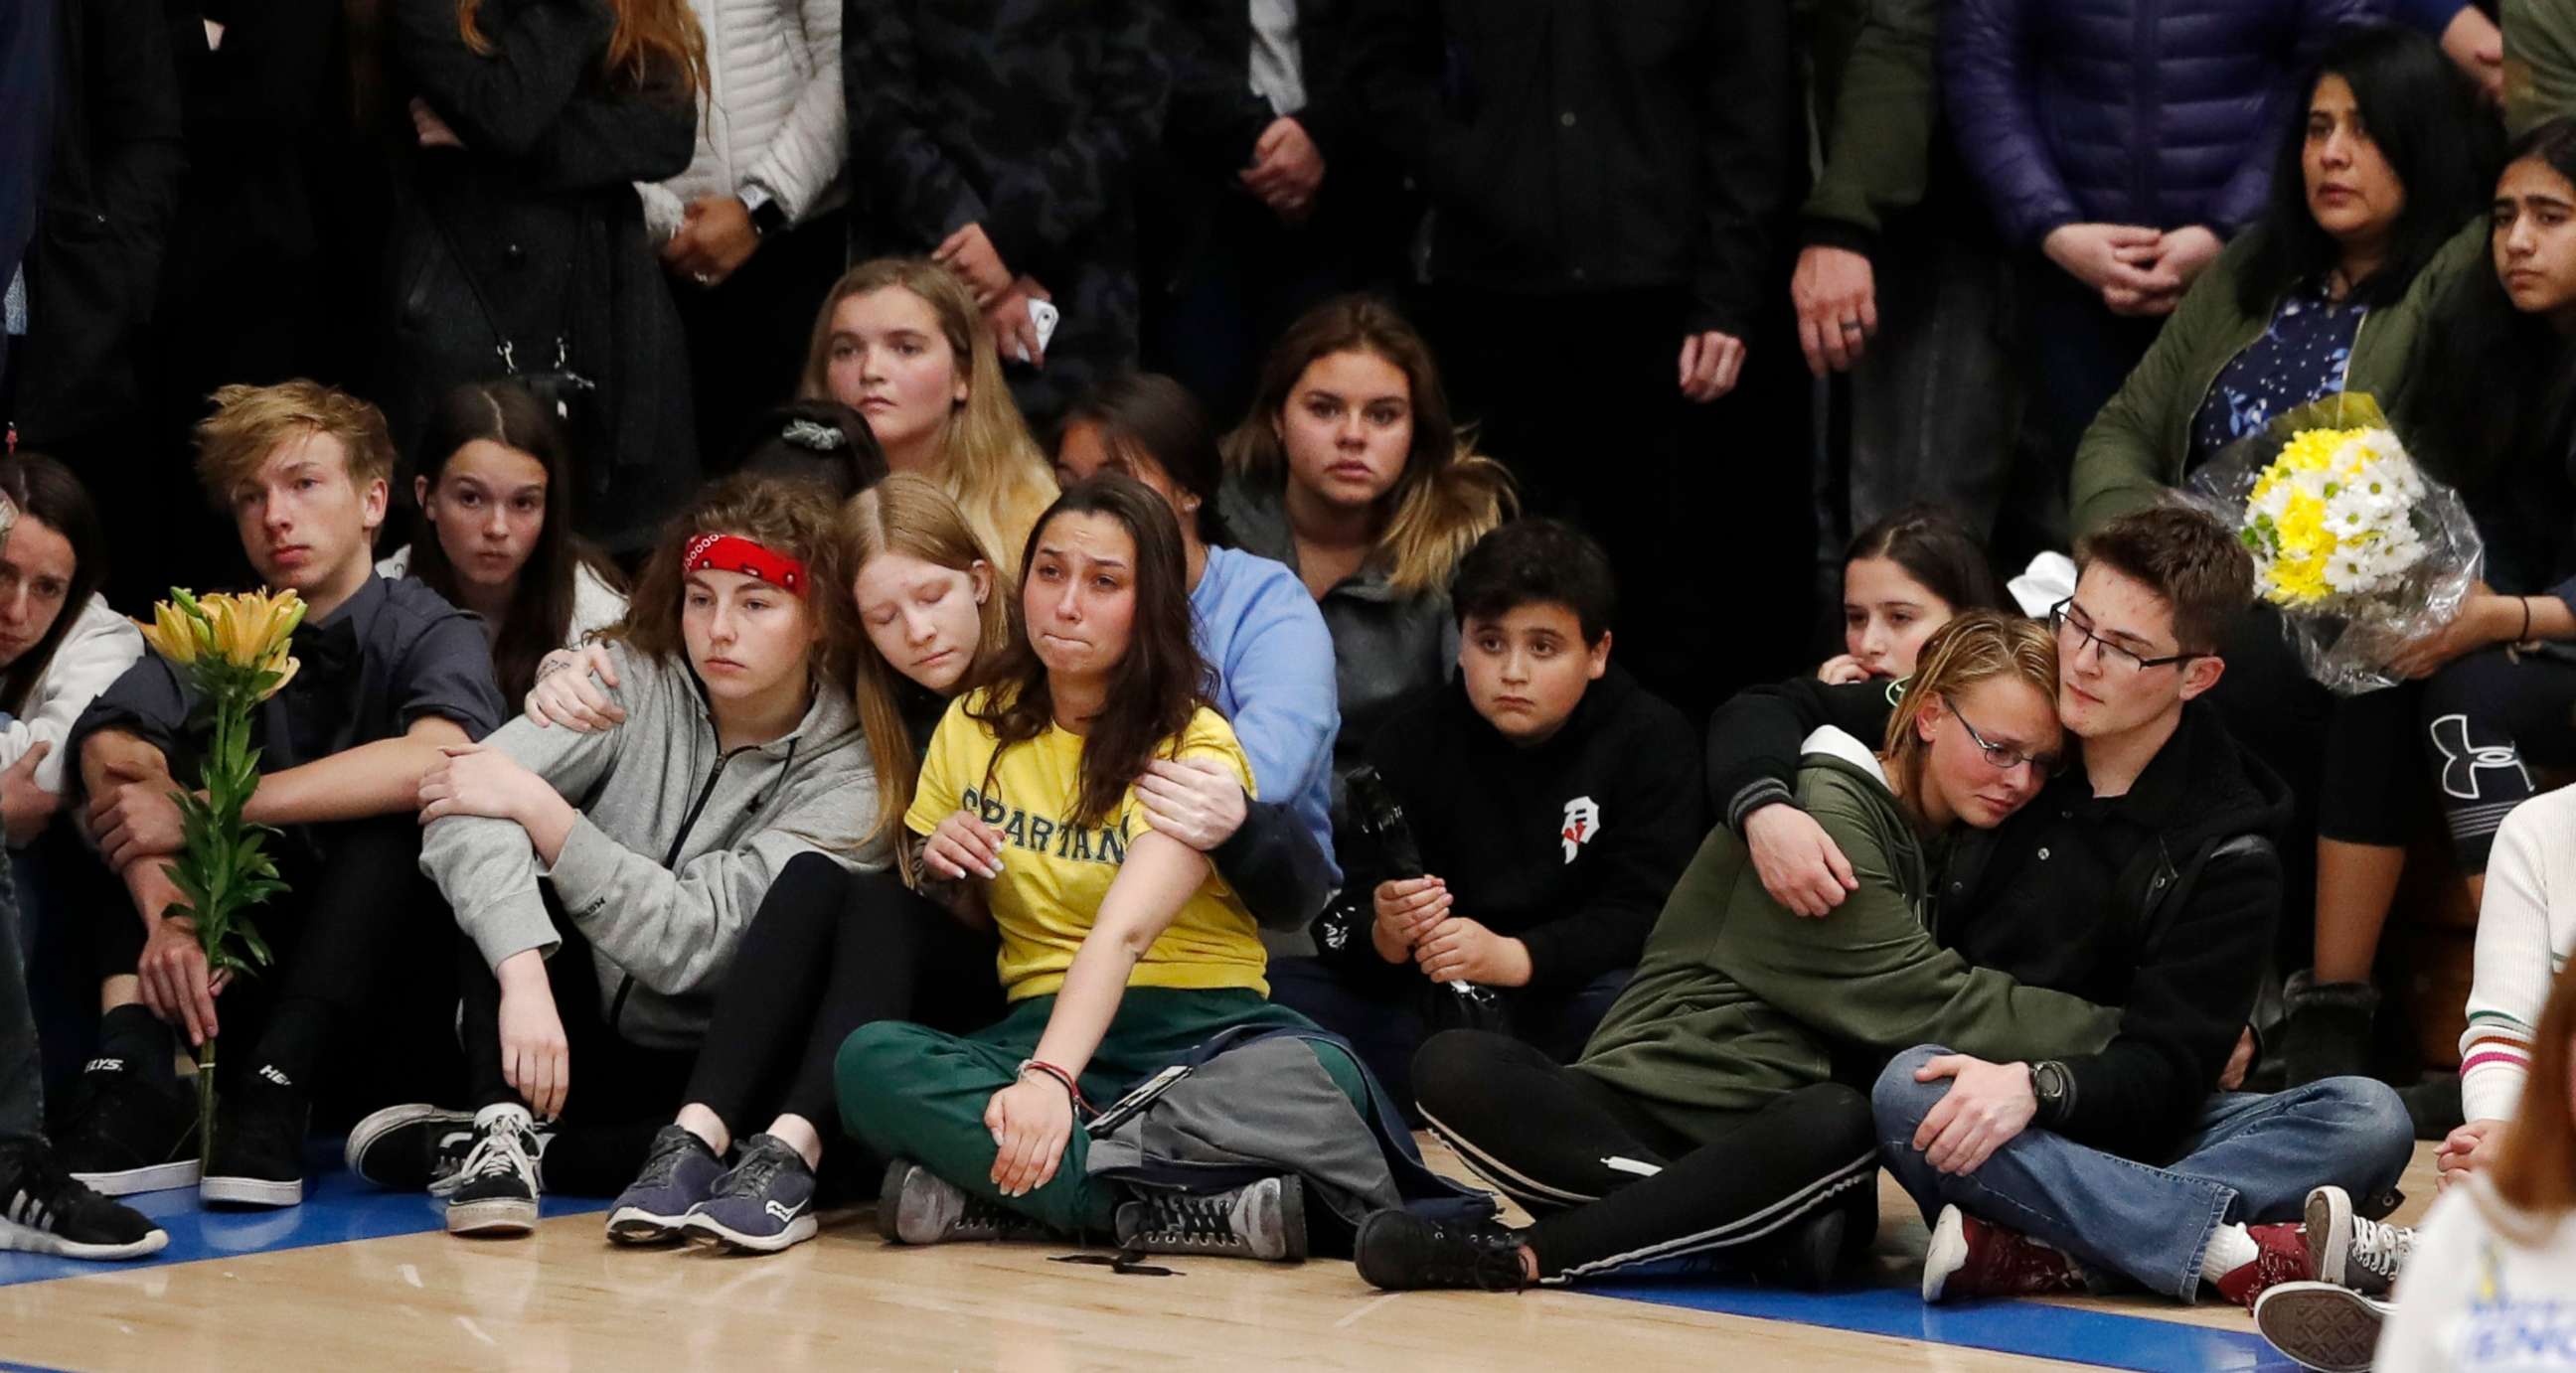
pixel 1277 658
pixel 2428 16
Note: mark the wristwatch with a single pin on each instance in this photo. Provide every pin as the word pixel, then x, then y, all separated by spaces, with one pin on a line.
pixel 767 215
pixel 2054 1087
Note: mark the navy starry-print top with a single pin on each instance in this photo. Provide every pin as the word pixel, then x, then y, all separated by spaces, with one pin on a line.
pixel 2305 354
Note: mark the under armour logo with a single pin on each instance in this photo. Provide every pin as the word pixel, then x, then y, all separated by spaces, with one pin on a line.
pixel 1582 821
pixel 2462 760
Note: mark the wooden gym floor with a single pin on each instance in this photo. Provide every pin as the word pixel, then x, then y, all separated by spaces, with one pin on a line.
pixel 360 1279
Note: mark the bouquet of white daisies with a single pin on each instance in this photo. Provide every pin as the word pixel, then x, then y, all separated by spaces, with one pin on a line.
pixel 2359 550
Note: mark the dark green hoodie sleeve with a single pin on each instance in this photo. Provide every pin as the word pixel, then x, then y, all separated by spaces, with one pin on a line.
pixel 1869 974
pixel 1878 122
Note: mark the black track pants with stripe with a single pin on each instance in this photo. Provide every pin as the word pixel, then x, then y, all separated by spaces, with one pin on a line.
pixel 1612 1187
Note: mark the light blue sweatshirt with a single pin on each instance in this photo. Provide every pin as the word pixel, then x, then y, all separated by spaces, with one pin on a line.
pixel 1274 663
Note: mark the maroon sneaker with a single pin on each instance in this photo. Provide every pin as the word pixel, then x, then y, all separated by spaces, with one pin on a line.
pixel 2281 1255
pixel 1974 1258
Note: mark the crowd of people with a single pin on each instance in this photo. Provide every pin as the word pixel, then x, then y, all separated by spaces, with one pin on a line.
pixel 1018 608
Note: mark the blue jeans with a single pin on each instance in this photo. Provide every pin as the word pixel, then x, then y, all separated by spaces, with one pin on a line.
pixel 2250 1158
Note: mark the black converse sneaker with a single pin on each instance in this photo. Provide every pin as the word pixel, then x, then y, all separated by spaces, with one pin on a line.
pixel 43 1211
pixel 124 1133
pixel 258 1158
pixel 917 1206
pixel 1263 1220
pixel 410 1148
pixel 495 1191
pixel 1400 1251
pixel 2343 1248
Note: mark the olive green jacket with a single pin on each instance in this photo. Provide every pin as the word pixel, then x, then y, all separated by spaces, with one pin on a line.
pixel 2139 445
pixel 1738 1001
pixel 2539 61
pixel 1870 86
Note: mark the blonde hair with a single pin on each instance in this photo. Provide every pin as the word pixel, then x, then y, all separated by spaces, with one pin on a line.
pixel 1971 648
pixel 988 460
pixel 1448 495
pixel 909 514
pixel 251 422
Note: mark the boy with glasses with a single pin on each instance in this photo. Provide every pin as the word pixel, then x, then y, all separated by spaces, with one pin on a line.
pixel 2143 877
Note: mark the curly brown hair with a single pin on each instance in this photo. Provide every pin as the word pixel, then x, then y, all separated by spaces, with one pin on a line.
pixel 797 518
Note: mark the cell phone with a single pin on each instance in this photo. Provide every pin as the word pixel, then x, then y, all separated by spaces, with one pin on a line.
pixel 1044 317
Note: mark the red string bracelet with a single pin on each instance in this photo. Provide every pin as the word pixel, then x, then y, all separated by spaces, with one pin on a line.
pixel 1062 1078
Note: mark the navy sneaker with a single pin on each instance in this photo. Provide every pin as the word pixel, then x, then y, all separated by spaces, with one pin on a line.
pixel 764 1205
pixel 410 1148
pixel 679 1172
pixel 125 1133
pixel 43 1211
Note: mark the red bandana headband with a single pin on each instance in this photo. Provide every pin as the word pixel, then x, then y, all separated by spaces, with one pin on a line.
pixel 732 553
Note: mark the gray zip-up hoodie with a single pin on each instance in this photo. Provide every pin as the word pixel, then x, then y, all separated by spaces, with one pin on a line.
pixel 677 842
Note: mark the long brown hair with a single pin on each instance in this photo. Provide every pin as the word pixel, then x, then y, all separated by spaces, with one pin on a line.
pixel 505 412
pixel 2536 1174
pixel 988 460
pixel 649 34
pixel 790 517
pixel 1971 648
pixel 1160 683
pixel 1448 495
pixel 45 490
pixel 907 513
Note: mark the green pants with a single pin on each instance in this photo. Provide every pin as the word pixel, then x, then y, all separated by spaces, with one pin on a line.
pixel 911 1092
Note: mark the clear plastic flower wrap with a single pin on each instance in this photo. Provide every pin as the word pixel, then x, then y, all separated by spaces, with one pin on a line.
pixel 2357 548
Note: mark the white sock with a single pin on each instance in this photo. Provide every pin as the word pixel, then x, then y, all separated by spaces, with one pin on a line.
pixel 2230 1247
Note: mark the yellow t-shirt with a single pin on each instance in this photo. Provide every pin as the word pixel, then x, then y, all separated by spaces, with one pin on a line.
pixel 1055 875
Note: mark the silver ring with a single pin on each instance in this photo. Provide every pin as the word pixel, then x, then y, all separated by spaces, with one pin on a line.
pixel 1850 326
pixel 705 280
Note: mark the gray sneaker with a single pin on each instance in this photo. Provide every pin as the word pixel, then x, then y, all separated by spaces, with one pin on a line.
pixel 679 1172
pixel 2322 1326
pixel 1266 1220
pixel 917 1206
pixel 2343 1248
pixel 764 1205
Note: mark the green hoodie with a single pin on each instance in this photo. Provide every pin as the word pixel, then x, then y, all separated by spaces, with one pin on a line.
pixel 2539 61
pixel 1739 1001
pixel 2141 442
pixel 1871 92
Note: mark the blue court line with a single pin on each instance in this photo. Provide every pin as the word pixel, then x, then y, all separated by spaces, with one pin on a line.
pixel 2006 1327
pixel 337 1208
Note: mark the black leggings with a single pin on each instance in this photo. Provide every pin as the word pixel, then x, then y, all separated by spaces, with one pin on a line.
pixel 2487 718
pixel 1614 1187
pixel 829 952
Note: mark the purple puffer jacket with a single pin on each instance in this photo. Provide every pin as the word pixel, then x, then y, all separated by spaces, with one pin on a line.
pixel 2153 112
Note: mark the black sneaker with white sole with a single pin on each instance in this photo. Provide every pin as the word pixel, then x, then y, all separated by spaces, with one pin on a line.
pixel 258 1154
pixel 917 1206
pixel 125 1133
pixel 412 1147
pixel 43 1211
pixel 2343 1248
pixel 494 1192
pixel 2321 1325
pixel 1263 1220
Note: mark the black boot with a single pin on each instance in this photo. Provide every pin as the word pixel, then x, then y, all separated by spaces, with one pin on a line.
pixel 2329 1029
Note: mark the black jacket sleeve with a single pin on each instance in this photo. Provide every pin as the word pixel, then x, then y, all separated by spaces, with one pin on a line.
pixel 1753 739
pixel 1215 118
pixel 1650 830
pixel 1273 862
pixel 150 701
pixel 2189 1001
pixel 505 101
pixel 1752 113
pixel 1039 207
